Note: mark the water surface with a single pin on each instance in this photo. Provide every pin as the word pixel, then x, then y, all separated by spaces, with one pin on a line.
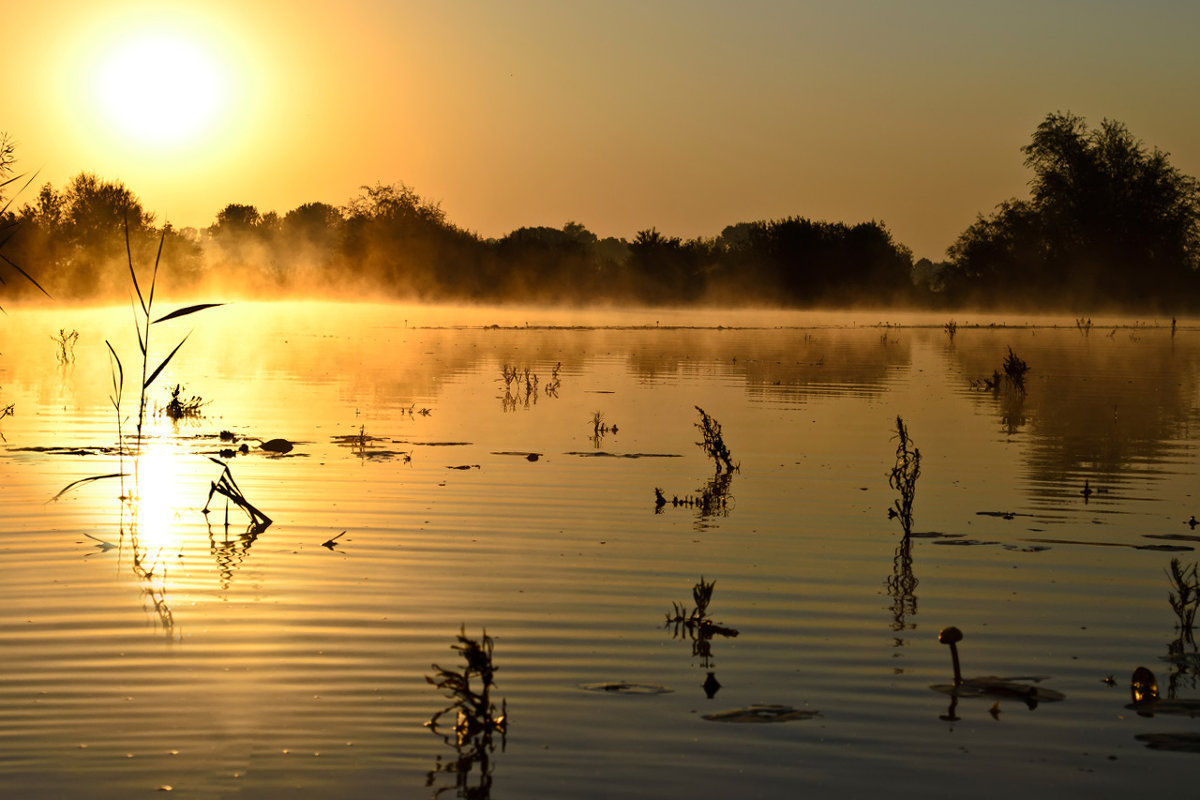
pixel 147 645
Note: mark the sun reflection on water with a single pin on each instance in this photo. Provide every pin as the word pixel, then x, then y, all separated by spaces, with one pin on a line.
pixel 156 489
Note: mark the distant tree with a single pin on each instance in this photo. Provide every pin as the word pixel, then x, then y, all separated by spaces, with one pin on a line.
pixel 399 242
pixel 314 223
pixel 1108 221
pixel 799 261
pixel 8 157
pixel 663 269
pixel 77 236
pixel 235 220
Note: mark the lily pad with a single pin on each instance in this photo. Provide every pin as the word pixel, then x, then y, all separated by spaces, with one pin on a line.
pixel 762 713
pixel 1175 742
pixel 992 686
pixel 1173 708
pixel 624 687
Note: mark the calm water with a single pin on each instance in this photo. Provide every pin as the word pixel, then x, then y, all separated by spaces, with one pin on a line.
pixel 145 645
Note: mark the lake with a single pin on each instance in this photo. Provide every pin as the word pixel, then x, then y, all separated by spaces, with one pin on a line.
pixel 461 470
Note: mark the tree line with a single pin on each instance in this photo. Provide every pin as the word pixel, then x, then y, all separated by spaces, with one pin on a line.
pixel 1108 223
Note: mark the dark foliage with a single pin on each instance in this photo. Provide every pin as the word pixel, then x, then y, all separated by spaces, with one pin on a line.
pixel 1108 222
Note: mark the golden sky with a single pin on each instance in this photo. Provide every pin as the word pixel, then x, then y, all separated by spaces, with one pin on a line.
pixel 686 116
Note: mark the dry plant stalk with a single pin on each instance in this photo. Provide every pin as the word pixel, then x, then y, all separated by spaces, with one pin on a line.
pixel 227 487
pixel 904 476
pixel 713 444
pixel 475 713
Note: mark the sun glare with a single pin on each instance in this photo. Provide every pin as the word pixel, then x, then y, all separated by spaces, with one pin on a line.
pixel 159 89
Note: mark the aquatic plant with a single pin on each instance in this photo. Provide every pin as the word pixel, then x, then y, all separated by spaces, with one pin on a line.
pixel 990 685
pixel 951 329
pixel 1013 375
pixel 713 443
pixel 66 345
pixel 712 499
pixel 227 487
pixel 181 407
pixel 600 428
pixel 143 320
pixel 902 588
pixel 475 713
pixel 555 381
pixel 1084 325
pixel 695 625
pixel 1014 371
pixel 521 386
pixel 1184 595
pixel 697 618
pixel 904 475
pixel 5 411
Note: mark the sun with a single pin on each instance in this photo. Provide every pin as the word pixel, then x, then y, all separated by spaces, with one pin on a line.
pixel 159 87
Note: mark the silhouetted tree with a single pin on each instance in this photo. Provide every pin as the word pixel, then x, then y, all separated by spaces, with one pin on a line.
pixel 400 242
pixel 77 236
pixel 802 262
pixel 1108 222
pixel 665 269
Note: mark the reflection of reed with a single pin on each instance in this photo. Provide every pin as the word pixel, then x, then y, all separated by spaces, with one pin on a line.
pixel 1182 652
pixel 475 723
pixel 1012 412
pixel 902 587
pixel 150 570
pixel 229 553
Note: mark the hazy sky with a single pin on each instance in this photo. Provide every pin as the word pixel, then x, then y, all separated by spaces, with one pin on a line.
pixel 685 116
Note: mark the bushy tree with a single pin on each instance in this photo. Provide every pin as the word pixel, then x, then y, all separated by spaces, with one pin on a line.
pixel 1108 220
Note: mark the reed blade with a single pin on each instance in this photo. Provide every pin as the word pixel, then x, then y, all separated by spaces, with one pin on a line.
pixel 161 366
pixel 183 312
pixel 82 481
pixel 119 377
pixel 154 276
pixel 132 273
pixel 24 274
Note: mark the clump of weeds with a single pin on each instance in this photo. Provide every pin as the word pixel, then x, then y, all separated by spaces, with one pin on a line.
pixel 66 345
pixel 181 407
pixel 475 713
pixel 1184 595
pixel 713 443
pixel 903 477
pixel 1014 371
pixel 227 487
pixel 695 624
